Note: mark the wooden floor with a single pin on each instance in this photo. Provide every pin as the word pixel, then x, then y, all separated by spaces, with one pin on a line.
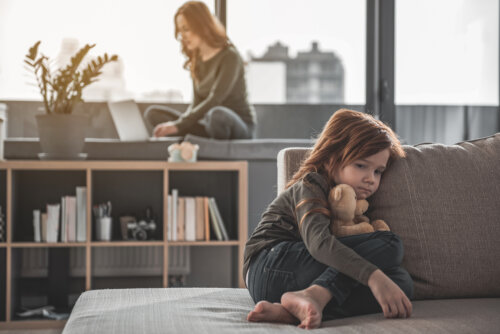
pixel 31 331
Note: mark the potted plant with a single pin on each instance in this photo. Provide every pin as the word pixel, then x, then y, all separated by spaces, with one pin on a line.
pixel 62 134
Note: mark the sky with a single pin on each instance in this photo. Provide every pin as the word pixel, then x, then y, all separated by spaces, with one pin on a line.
pixel 446 50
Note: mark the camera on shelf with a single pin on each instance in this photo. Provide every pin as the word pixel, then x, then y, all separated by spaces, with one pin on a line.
pixel 144 229
pixel 141 230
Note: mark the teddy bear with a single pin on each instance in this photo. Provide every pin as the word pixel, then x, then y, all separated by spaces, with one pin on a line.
pixel 347 213
pixel 183 152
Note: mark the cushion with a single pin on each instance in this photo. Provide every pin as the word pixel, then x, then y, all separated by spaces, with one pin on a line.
pixel 444 203
pixel 224 310
pixel 243 149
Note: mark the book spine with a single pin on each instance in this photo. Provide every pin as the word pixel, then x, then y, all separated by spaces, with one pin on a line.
pixel 81 214
pixel 213 217
pixel 190 219
pixel 36 225
pixel 220 222
pixel 175 196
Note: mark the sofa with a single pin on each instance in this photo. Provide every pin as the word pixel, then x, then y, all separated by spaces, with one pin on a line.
pixel 443 201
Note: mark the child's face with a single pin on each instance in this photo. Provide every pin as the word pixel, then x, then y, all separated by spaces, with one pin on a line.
pixel 363 174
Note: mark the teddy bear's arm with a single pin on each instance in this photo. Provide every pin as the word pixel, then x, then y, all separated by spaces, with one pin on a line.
pixel 343 231
pixel 380 225
pixel 361 218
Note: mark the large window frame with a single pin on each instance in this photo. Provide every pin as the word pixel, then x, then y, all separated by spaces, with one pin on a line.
pixel 380 62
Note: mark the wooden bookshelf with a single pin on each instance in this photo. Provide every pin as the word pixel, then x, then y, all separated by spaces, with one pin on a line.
pixel 152 180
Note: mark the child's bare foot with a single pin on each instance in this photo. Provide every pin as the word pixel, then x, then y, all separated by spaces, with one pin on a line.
pixel 303 306
pixel 265 311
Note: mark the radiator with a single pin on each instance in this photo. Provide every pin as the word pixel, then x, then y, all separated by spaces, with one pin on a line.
pixel 111 261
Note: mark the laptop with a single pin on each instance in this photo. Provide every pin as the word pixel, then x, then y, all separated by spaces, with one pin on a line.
pixel 129 122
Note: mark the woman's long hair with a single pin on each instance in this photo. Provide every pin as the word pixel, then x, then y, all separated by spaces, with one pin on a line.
pixel 348 136
pixel 202 23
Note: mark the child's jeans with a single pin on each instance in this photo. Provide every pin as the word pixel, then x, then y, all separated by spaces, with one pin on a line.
pixel 288 266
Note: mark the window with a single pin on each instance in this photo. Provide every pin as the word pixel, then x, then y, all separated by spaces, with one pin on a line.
pixel 447 52
pixel 140 32
pixel 301 51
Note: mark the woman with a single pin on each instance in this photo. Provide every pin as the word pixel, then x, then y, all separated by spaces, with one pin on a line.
pixel 220 108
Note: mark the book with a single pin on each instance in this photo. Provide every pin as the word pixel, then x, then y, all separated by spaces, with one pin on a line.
pixel 206 217
pixel 181 212
pixel 53 222
pixel 175 196
pixel 81 214
pixel 200 219
pixel 70 218
pixel 43 226
pixel 36 226
pixel 190 219
pixel 169 217
pixel 64 235
pixel 213 219
pixel 220 222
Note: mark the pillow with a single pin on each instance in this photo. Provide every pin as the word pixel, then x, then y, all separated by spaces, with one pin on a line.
pixel 444 202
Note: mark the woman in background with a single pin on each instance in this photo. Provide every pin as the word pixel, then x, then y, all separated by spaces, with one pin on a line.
pixel 220 107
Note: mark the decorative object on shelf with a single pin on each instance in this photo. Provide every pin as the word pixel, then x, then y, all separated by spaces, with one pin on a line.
pixel 144 229
pixel 3 231
pixel 183 152
pixel 103 221
pixel 62 134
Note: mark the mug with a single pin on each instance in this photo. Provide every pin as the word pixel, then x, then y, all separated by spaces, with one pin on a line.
pixel 104 228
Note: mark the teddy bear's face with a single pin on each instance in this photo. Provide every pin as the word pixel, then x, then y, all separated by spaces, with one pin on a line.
pixel 343 202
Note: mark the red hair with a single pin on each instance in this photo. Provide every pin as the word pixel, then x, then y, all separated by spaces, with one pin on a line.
pixel 348 136
pixel 202 23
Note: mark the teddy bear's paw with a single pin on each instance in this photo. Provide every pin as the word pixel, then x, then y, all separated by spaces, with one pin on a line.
pixel 380 225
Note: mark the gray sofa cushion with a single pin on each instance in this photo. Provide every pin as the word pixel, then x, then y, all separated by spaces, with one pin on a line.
pixel 444 203
pixel 213 310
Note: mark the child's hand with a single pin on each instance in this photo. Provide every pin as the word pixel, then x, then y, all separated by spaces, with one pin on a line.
pixel 394 302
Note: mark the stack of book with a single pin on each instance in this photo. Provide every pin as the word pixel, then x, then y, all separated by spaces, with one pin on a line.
pixel 65 221
pixel 190 218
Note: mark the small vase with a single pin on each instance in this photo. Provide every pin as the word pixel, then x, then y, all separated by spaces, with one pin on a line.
pixel 62 136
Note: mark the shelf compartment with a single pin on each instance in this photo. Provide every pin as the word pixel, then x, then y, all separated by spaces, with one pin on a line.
pixel 46 276
pixel 3 206
pixel 222 272
pixel 3 283
pixel 34 189
pixel 130 193
pixel 222 185
pixel 120 267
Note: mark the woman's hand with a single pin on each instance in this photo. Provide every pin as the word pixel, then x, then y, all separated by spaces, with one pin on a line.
pixel 394 302
pixel 165 129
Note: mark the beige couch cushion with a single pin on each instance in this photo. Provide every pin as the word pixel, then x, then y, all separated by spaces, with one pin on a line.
pixel 444 202
pixel 221 311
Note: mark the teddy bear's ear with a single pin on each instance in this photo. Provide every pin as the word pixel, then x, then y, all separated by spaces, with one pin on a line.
pixel 337 195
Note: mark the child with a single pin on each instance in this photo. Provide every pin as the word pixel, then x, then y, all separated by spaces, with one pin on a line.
pixel 296 270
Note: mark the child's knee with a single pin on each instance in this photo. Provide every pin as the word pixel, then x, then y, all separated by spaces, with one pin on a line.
pixel 395 246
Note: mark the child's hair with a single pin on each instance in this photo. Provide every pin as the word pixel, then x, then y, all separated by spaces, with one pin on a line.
pixel 348 136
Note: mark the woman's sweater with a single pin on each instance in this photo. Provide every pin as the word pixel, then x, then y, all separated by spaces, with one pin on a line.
pixel 221 83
